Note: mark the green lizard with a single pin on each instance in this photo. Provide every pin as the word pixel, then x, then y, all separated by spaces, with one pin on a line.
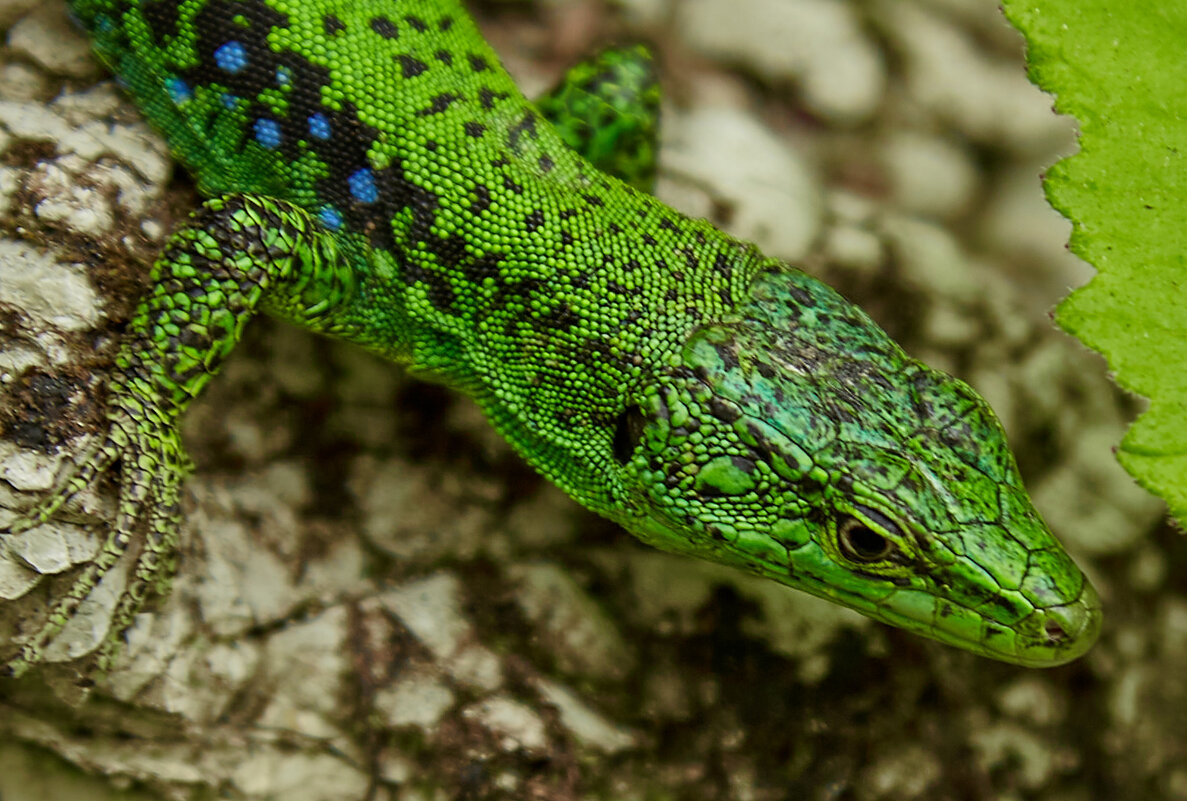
pixel 374 175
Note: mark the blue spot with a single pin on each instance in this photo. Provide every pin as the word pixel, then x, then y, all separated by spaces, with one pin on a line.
pixel 284 76
pixel 319 126
pixel 330 218
pixel 231 57
pixel 179 91
pixel 229 100
pixel 267 133
pixel 104 24
pixel 362 186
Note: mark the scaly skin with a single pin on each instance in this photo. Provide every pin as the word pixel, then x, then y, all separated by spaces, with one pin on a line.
pixel 375 175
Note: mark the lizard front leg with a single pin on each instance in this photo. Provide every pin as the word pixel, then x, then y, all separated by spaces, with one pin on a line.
pixel 607 109
pixel 236 256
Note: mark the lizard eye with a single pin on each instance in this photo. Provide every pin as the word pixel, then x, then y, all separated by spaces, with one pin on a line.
pixel 860 543
pixel 628 430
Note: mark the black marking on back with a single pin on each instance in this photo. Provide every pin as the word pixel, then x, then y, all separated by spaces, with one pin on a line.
pixel 411 66
pixel 525 126
pixel 439 104
pixel 332 25
pixel 482 199
pixel 162 19
pixel 385 27
pixel 488 97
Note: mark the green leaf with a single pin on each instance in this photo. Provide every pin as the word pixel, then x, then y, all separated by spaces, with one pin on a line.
pixel 1119 69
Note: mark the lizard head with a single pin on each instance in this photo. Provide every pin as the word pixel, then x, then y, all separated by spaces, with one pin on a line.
pixel 799 442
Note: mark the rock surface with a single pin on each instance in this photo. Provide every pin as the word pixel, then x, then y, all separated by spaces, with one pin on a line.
pixel 377 600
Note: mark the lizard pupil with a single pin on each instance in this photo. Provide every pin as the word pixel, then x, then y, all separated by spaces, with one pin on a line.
pixel 628 430
pixel 861 543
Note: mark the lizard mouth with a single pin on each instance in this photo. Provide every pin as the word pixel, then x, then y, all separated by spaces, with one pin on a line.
pixel 1047 637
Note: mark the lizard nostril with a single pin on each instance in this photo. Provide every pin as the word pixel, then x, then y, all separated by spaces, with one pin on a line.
pixel 1055 632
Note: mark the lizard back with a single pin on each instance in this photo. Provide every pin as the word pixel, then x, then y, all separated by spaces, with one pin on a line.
pixel 299 100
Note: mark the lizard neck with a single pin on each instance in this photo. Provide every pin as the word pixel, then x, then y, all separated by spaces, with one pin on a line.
pixel 555 327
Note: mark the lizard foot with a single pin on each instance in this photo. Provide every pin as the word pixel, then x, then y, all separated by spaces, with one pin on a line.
pixel 152 464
